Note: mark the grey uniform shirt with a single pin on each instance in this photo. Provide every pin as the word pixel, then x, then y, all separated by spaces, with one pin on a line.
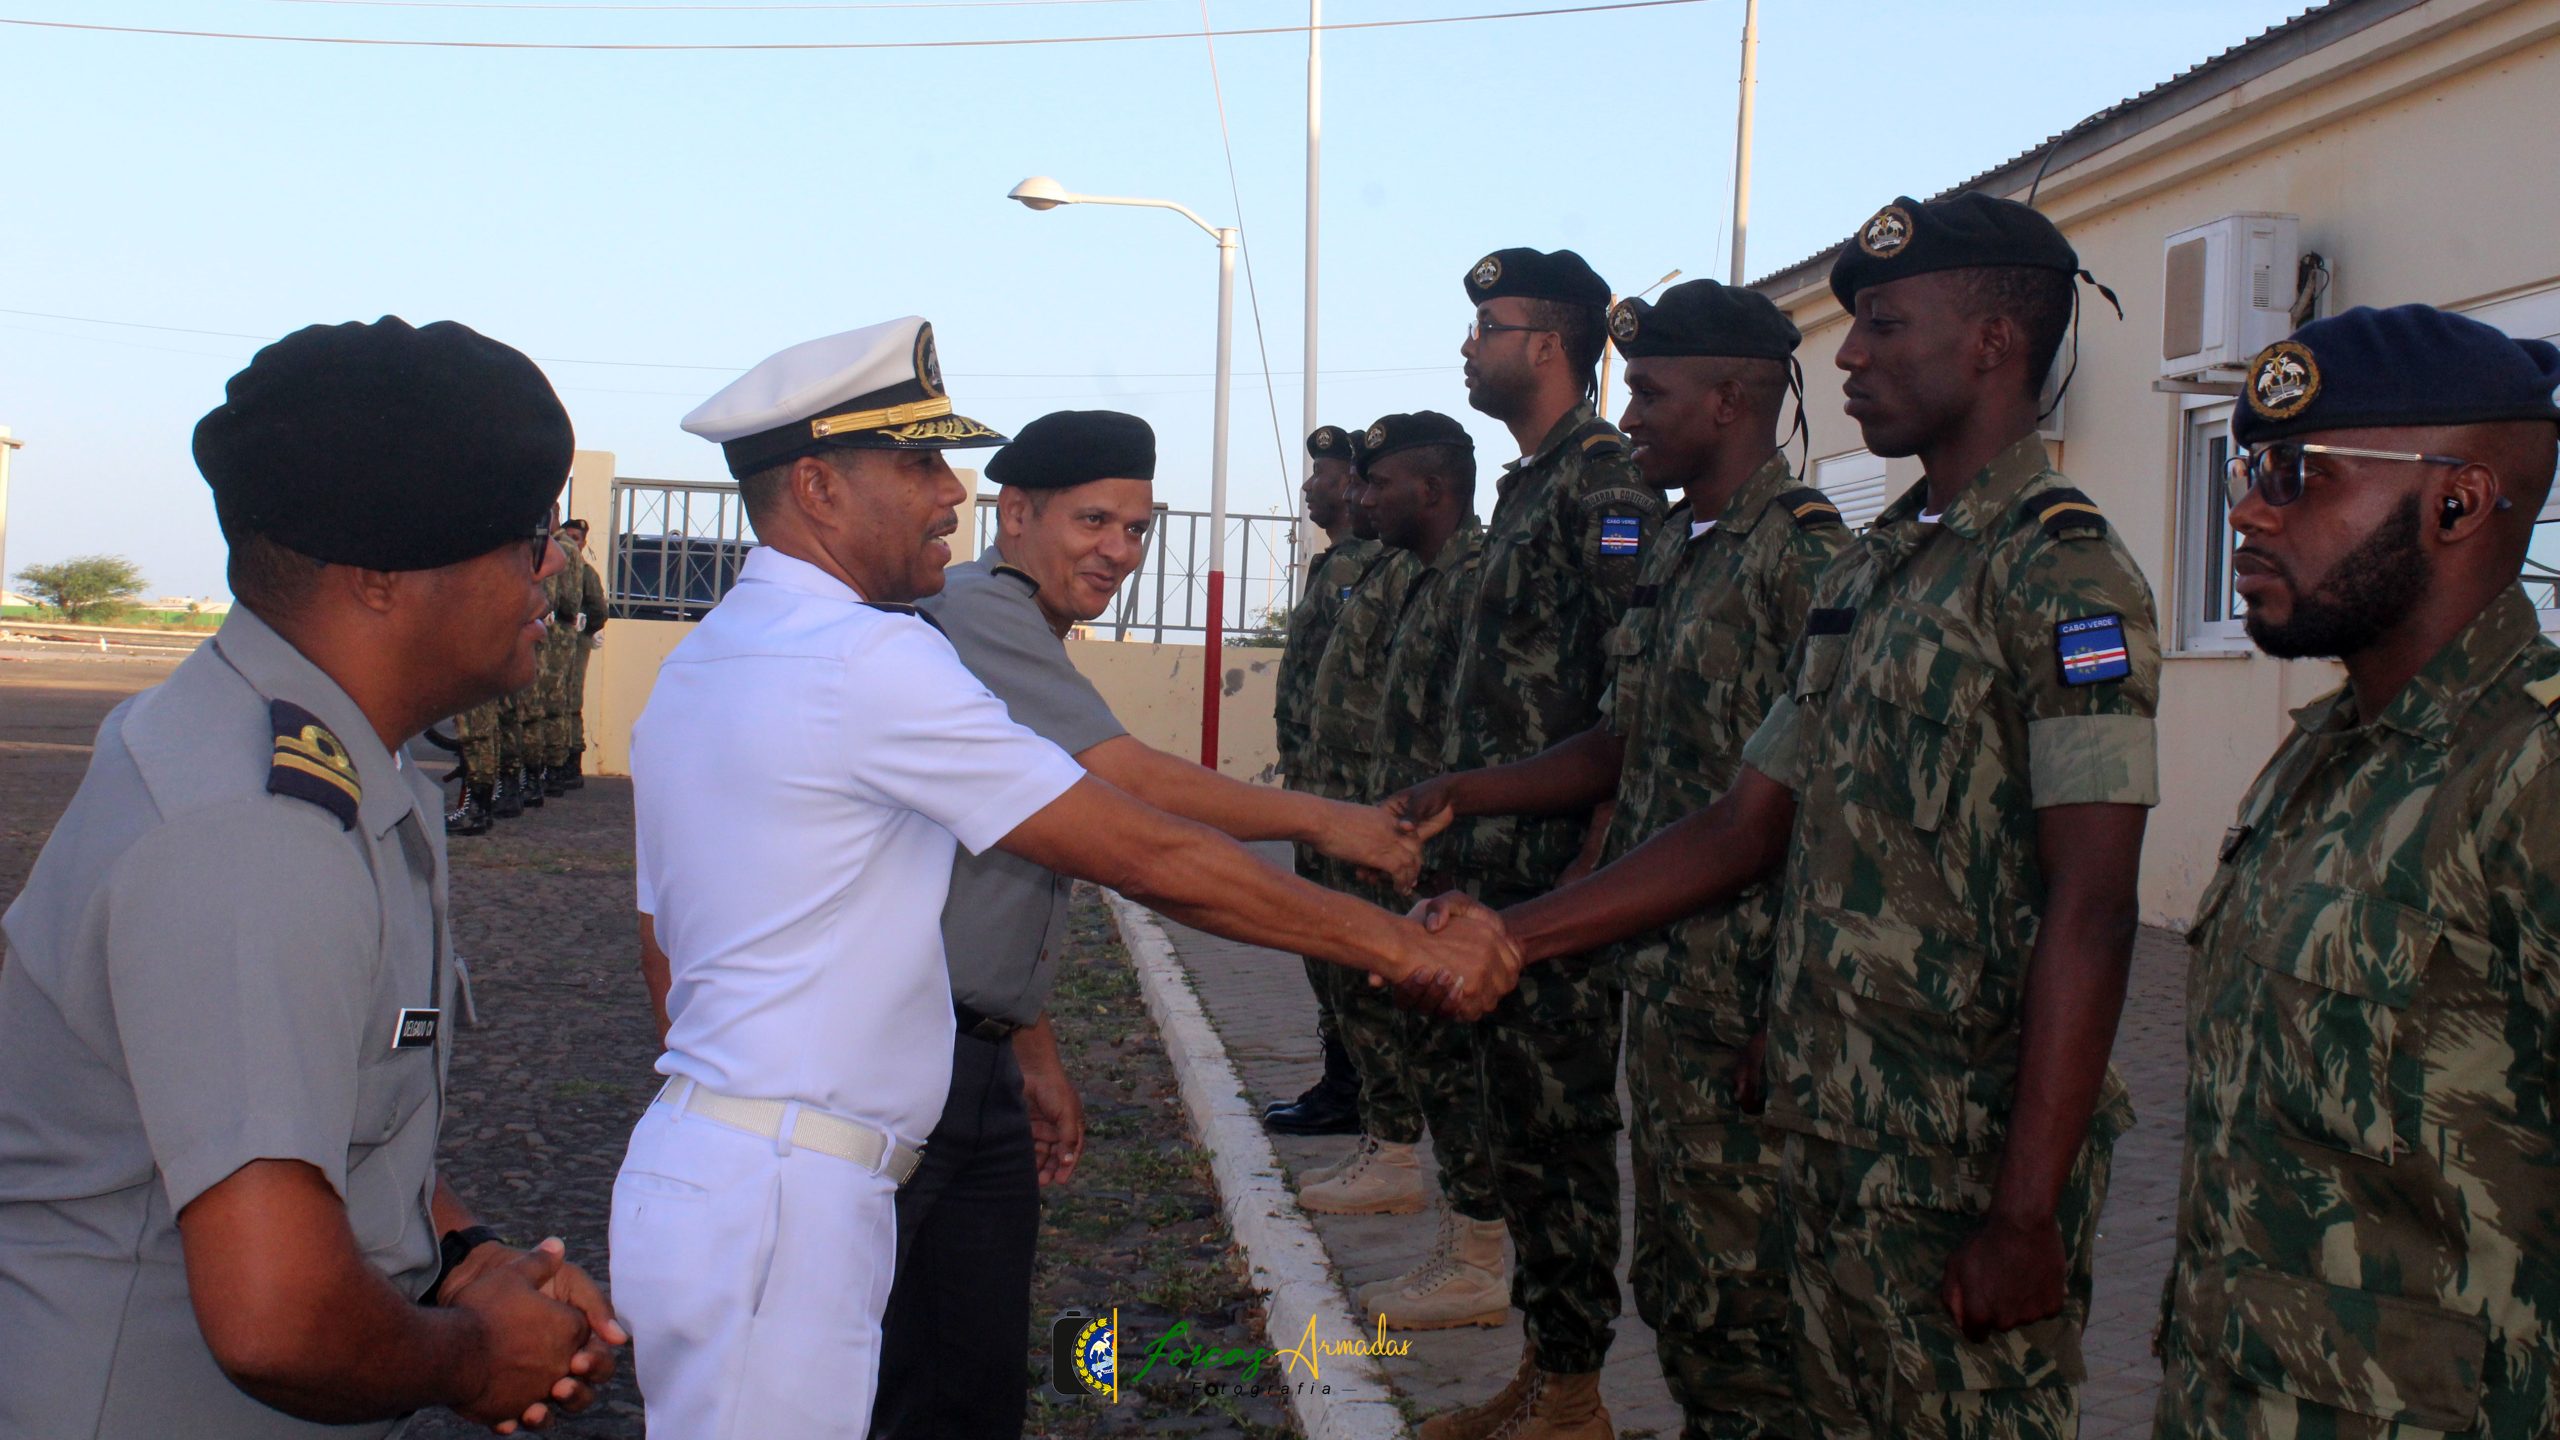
pixel 1006 916
pixel 199 974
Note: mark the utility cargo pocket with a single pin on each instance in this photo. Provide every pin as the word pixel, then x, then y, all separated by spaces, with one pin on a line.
pixel 2343 965
pixel 2406 1361
pixel 1921 735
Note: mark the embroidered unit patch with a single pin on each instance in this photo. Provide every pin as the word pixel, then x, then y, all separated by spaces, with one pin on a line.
pixel 1621 534
pixel 2091 649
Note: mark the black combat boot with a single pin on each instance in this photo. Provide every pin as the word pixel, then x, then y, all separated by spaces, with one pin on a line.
pixel 555 779
pixel 506 799
pixel 470 814
pixel 577 772
pixel 1331 1106
pixel 529 785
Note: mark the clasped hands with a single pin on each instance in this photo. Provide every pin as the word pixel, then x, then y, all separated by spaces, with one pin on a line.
pixel 550 1334
pixel 1464 961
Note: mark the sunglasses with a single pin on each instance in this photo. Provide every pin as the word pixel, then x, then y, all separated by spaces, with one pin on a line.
pixel 1478 329
pixel 536 542
pixel 2278 471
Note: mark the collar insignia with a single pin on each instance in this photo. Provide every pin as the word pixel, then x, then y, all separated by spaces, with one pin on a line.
pixel 2283 380
pixel 1885 235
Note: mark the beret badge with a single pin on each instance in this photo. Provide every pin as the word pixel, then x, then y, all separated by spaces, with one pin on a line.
pixel 1488 270
pixel 1886 233
pixel 1322 439
pixel 1377 434
pixel 1623 322
pixel 2283 380
pixel 928 364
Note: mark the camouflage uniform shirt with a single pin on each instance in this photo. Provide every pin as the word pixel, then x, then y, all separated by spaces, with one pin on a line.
pixel 1414 708
pixel 1559 566
pixel 1695 666
pixel 1350 683
pixel 1329 578
pixel 2371 1212
pixel 1930 716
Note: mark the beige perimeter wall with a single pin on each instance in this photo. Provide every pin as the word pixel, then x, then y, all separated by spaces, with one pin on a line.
pixel 2419 157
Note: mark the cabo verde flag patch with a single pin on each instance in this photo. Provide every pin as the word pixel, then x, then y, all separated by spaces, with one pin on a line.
pixel 2091 649
pixel 1621 534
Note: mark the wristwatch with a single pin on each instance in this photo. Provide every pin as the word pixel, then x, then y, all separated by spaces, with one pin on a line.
pixel 457 1244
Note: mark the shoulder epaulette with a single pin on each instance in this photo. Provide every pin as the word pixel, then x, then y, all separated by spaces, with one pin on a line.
pixel 1811 508
pixel 2546 693
pixel 312 764
pixel 895 607
pixel 1024 576
pixel 1598 438
pixel 2065 513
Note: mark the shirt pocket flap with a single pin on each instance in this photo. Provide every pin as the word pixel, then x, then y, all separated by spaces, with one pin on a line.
pixel 1820 665
pixel 1624 641
pixel 1927 679
pixel 2384 1356
pixel 2352 943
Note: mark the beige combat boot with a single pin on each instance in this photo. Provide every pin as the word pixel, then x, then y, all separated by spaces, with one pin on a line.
pixel 1559 1407
pixel 1380 1178
pixel 1465 1280
pixel 1479 1421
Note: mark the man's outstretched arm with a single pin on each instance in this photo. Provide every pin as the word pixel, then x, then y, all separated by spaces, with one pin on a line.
pixel 1355 834
pixel 1570 776
pixel 1709 856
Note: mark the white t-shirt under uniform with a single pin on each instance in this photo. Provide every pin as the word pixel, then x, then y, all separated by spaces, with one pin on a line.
pixel 799 776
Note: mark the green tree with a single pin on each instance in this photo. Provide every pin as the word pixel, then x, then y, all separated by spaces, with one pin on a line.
pixel 85 587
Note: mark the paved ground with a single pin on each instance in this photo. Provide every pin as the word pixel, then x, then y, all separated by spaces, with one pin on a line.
pixel 1259 1001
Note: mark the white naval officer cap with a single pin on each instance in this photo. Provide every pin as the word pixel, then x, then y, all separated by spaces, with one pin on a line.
pixel 876 388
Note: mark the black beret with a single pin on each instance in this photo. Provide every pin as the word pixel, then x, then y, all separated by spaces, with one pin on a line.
pixel 1962 232
pixel 1075 447
pixel 2408 365
pixel 1332 442
pixel 385 447
pixel 1529 274
pixel 1701 317
pixel 1391 433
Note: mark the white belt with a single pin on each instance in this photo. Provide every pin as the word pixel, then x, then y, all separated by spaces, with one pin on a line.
pixel 809 1129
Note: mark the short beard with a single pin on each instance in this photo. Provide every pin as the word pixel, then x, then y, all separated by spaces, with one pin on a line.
pixel 2373 589
pixel 1498 399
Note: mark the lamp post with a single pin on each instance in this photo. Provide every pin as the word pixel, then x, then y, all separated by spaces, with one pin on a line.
pixel 1042 193
pixel 6 445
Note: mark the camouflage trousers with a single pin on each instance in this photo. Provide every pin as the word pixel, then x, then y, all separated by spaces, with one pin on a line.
pixel 1710 1271
pixel 1547 1089
pixel 1440 1057
pixel 1877 1357
pixel 519 724
pixel 2427 1391
pixel 1311 868
pixel 478 729
pixel 550 742
pixel 573 698
pixel 1367 1022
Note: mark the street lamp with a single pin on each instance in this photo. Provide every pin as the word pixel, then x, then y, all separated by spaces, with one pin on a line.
pixel 1042 193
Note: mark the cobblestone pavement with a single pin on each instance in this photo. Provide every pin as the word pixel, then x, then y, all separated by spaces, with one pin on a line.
pixel 1259 1001
pixel 544 1092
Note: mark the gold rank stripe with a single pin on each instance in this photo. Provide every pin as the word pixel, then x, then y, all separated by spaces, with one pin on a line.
pixel 2046 517
pixel 1816 507
pixel 2546 693
pixel 885 419
pixel 288 759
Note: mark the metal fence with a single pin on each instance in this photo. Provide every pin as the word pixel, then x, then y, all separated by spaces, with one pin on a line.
pixel 677 546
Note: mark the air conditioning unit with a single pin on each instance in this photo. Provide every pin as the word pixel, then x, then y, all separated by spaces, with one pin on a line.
pixel 2227 293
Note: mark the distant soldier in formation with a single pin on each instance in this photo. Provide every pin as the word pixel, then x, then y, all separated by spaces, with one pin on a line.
pixel 1331 1106
pixel 1569 524
pixel 1956 783
pixel 1419 491
pixel 2369 1218
pixel 587 637
pixel 1696 665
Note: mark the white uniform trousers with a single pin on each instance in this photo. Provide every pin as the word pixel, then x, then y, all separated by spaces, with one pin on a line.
pixel 752 1282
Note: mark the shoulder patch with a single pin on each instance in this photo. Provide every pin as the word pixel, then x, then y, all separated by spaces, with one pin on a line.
pixel 2065 513
pixel 312 764
pixel 1811 509
pixel 1033 586
pixel 2546 693
pixel 2092 649
pixel 1621 534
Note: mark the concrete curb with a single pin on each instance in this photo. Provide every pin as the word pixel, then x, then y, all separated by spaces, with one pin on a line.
pixel 1289 1261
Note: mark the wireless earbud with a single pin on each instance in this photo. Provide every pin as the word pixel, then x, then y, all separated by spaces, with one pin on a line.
pixel 2454 510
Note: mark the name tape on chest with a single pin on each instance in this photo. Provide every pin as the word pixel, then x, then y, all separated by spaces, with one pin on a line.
pixel 417 1029
pixel 1621 534
pixel 2091 649
pixel 1830 620
pixel 1645 595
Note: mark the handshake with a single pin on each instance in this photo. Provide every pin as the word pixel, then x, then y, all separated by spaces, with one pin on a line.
pixel 1460 964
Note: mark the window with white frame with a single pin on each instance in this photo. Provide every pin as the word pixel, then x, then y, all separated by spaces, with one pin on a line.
pixel 1855 482
pixel 2535 315
pixel 2209 613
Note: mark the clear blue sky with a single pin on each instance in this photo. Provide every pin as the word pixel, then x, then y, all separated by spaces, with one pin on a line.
pixel 705 209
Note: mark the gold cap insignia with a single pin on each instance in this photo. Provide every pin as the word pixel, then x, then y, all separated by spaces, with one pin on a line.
pixel 1623 321
pixel 928 364
pixel 1885 235
pixel 2283 380
pixel 1488 270
pixel 1377 434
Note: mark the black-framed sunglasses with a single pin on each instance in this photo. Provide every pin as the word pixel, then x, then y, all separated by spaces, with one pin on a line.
pixel 1478 329
pixel 2276 471
pixel 541 537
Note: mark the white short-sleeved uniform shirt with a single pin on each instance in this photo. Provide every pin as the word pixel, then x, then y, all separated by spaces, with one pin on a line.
pixel 799 777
